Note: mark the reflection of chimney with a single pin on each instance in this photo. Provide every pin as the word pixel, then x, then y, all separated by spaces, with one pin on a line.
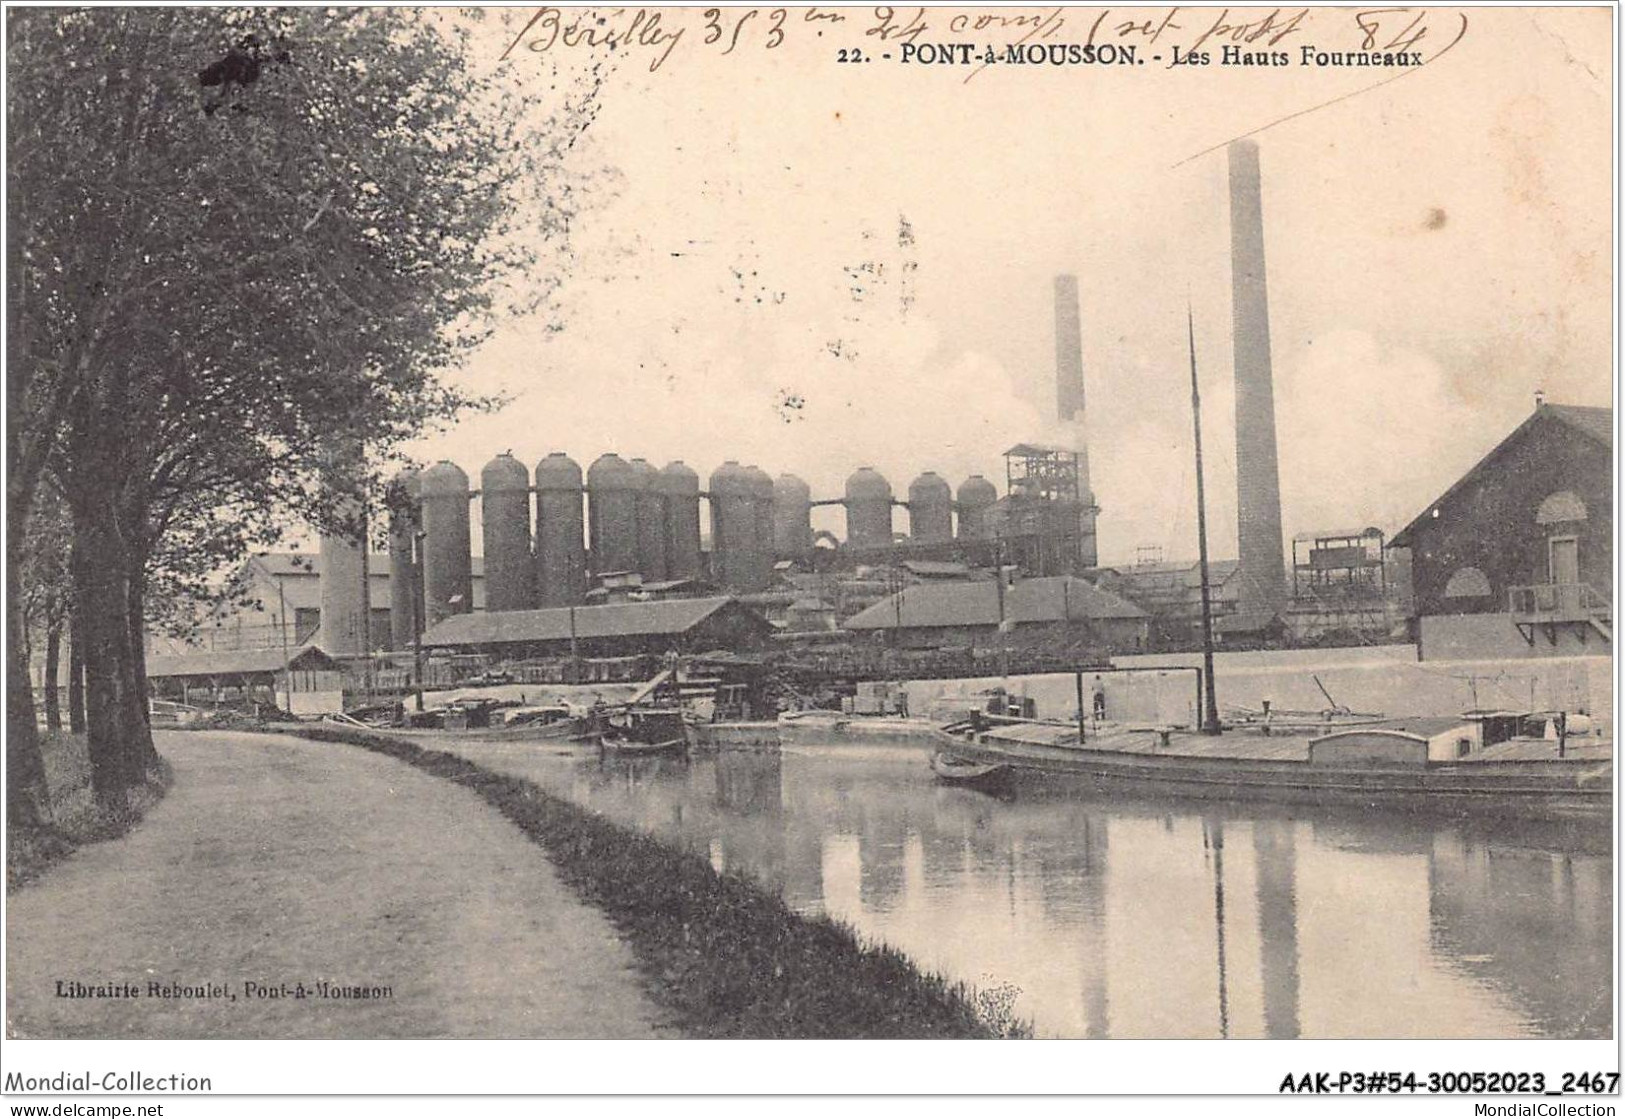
pixel 1275 859
pixel 1069 404
pixel 1258 483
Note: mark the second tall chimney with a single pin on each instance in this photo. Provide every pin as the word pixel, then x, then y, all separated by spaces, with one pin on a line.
pixel 1069 407
pixel 1258 480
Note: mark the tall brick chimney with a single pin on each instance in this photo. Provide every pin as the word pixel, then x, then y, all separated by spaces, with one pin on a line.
pixel 1069 406
pixel 1258 480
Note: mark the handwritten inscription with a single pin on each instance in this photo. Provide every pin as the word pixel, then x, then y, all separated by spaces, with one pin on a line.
pixel 1163 38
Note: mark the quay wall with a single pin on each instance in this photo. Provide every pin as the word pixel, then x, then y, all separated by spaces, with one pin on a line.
pixel 1387 679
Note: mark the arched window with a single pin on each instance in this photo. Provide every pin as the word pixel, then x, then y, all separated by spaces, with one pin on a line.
pixel 1560 507
pixel 1467 582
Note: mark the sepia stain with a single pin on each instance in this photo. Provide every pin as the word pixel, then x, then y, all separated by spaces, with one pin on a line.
pixel 1436 218
pixel 788 405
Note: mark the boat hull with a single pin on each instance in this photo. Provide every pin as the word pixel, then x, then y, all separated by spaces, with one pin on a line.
pixel 733 736
pixel 574 731
pixel 832 727
pixel 1547 788
pixel 628 749
pixel 953 771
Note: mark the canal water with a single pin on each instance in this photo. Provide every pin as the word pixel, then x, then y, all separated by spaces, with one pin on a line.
pixel 1115 918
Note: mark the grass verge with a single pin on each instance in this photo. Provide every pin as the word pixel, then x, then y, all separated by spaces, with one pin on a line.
pixel 73 817
pixel 727 958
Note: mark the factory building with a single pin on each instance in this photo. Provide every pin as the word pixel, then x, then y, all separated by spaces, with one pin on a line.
pixel 625 517
pixel 615 630
pixel 281 603
pixel 1516 558
pixel 1171 595
pixel 1062 610
pixel 305 681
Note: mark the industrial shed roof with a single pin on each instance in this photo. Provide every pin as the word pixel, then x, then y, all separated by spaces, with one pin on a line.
pixel 938 569
pixel 1050 598
pixel 240 662
pixel 619 619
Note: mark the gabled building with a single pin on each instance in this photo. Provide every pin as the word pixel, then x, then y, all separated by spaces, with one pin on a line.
pixel 1061 608
pixel 1171 594
pixel 1516 558
pixel 281 604
pixel 614 630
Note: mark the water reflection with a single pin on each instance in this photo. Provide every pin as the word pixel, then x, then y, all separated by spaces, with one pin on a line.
pixel 1125 918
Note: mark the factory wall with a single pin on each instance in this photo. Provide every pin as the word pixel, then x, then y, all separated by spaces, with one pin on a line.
pixel 1386 679
pixel 1452 637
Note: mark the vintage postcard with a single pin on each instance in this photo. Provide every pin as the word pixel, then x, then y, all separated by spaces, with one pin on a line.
pixel 597 525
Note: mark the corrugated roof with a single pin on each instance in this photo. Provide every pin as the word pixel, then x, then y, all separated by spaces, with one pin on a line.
pixel 617 619
pixel 937 569
pixel 241 662
pixel 1051 598
pixel 1593 423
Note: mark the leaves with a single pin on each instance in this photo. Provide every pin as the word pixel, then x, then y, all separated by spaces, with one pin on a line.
pixel 243 238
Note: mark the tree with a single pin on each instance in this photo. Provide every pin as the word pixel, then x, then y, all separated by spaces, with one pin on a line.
pixel 47 593
pixel 243 238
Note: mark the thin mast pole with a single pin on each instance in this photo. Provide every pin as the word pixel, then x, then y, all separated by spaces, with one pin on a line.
pixel 1210 700
pixel 417 613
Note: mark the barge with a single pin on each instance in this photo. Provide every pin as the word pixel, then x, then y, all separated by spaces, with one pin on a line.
pixel 1429 764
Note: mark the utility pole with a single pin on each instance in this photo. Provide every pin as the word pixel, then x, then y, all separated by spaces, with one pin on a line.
pixel 575 662
pixel 287 675
pixel 1210 700
pixel 417 614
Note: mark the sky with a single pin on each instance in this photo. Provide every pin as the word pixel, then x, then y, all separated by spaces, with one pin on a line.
pixel 815 266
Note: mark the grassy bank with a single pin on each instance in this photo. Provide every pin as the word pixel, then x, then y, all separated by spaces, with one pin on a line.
pixel 72 816
pixel 726 957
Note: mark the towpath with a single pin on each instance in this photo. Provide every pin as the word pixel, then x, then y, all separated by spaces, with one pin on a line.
pixel 284 863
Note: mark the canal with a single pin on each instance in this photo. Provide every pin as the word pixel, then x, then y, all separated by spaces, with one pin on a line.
pixel 1113 918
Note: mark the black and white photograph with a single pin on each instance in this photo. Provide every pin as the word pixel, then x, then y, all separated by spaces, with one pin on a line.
pixel 634 525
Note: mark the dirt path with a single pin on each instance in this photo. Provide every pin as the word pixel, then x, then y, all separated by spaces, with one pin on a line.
pixel 281 862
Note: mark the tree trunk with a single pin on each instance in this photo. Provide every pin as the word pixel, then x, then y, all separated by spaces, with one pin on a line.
pixel 102 601
pixel 53 658
pixel 143 754
pixel 27 799
pixel 76 674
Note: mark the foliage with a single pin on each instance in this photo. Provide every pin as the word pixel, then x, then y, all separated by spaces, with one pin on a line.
pixel 244 244
pixel 221 282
